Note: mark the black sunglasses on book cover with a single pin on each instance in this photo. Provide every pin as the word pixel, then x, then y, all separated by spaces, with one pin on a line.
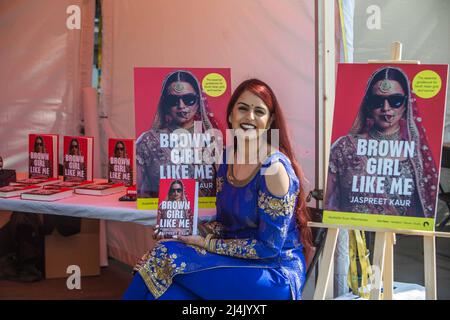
pixel 377 101
pixel 178 190
pixel 174 100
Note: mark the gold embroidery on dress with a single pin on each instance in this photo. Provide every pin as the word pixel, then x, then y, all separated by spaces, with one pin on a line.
pixel 276 207
pixel 241 248
pixel 160 269
pixel 199 250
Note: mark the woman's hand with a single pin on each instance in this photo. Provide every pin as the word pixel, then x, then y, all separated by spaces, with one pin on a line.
pixel 194 240
pixel 156 234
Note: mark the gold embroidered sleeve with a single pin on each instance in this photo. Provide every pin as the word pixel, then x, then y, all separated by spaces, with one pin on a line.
pixel 240 248
pixel 277 207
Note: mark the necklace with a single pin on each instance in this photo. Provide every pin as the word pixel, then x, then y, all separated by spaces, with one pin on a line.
pixel 374 133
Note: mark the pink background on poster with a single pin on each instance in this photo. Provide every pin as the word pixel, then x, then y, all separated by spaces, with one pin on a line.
pixel 148 86
pixel 351 84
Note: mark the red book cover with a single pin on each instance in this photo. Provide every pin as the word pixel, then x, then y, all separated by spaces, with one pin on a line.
pixel 78 158
pixel 121 155
pixel 43 155
pixel 179 114
pixel 177 207
pixel 386 146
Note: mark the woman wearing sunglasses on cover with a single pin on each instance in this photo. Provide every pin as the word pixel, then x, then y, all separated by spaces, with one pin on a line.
pixel 176 193
pixel 388 112
pixel 180 105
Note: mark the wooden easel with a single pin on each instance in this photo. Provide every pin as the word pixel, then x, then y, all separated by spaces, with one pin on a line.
pixel 383 255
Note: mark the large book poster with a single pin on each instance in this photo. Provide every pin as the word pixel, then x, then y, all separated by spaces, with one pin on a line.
pixel 178 114
pixel 386 146
pixel 43 155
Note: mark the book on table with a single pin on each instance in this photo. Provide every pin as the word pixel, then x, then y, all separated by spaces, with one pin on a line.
pixel 78 158
pixel 43 150
pixel 47 193
pixel 71 184
pixel 121 158
pixel 100 189
pixel 35 181
pixel 14 191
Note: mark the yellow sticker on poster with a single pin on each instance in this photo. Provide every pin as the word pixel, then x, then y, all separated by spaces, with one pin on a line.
pixel 427 84
pixel 214 84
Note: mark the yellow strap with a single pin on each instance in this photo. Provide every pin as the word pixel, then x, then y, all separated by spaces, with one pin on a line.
pixel 344 35
pixel 352 278
pixel 364 261
pixel 357 246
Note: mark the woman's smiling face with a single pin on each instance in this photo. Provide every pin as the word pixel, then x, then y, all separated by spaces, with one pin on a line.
pixel 249 113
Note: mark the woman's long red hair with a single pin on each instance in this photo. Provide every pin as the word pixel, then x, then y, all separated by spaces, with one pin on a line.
pixel 265 93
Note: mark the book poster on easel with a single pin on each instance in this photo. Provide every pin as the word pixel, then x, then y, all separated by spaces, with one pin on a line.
pixel 386 146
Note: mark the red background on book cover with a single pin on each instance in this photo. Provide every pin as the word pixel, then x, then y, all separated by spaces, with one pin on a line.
pixel 147 92
pixel 351 84
pixel 189 190
pixel 129 147
pixel 82 142
pixel 48 142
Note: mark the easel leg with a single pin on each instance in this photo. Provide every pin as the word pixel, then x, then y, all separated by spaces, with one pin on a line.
pixel 326 264
pixel 378 264
pixel 429 248
pixel 388 274
pixel 330 282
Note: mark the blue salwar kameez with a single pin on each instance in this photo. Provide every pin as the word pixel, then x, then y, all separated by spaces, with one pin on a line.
pixel 255 251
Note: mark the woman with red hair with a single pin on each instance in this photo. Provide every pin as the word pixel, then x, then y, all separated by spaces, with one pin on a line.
pixel 255 248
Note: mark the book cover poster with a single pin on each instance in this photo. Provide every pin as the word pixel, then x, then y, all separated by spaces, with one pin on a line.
pixel 78 158
pixel 177 207
pixel 121 161
pixel 386 146
pixel 178 115
pixel 43 156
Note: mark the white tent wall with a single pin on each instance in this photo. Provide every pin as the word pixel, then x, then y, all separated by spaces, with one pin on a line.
pixel 422 26
pixel 270 40
pixel 43 67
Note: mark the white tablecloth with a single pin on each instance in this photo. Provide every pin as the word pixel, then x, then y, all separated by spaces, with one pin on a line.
pixel 84 206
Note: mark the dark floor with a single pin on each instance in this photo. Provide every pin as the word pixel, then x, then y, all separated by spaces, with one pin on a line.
pixel 110 285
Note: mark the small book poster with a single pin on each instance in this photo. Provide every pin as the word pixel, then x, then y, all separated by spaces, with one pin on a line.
pixel 177 207
pixel 78 158
pixel 121 155
pixel 43 156
pixel 386 146
pixel 180 117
